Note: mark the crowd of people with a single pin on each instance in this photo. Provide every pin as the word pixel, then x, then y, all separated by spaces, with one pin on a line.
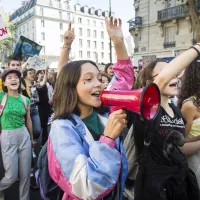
pixel 87 157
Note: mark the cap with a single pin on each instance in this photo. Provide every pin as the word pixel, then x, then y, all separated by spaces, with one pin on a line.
pixel 7 71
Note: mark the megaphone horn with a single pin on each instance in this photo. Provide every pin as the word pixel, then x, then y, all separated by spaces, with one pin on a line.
pixel 144 101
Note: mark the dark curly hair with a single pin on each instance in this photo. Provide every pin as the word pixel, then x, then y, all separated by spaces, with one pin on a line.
pixel 191 85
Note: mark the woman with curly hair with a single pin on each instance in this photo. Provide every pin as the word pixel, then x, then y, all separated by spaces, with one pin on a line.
pixel 189 102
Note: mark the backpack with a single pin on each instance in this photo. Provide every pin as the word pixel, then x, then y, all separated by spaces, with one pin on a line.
pixel 2 106
pixel 49 190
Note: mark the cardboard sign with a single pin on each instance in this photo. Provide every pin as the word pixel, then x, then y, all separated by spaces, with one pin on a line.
pixel 3 29
pixel 36 63
pixel 26 48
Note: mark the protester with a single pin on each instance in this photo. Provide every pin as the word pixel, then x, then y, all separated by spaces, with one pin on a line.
pixel 105 80
pixel 189 102
pixel 43 105
pixel 108 70
pixel 29 76
pixel 76 94
pixel 16 133
pixel 14 63
pixel 163 156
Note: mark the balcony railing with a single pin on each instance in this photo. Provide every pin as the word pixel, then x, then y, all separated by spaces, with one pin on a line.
pixel 169 44
pixel 25 18
pixel 135 23
pixel 136 49
pixel 173 12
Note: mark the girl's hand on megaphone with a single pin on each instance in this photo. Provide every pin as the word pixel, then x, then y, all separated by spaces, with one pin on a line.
pixel 115 125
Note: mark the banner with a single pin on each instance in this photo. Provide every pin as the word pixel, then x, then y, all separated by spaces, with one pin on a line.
pixel 26 48
pixel 36 63
pixel 3 29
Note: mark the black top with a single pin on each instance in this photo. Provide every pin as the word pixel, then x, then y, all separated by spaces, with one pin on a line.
pixel 170 132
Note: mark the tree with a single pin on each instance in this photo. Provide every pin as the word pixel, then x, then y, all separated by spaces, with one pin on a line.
pixel 193 12
pixel 6 45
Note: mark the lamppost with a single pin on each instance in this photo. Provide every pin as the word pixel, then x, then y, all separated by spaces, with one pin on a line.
pixel 110 13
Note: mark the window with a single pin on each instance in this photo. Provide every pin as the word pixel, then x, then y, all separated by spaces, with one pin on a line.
pixel 95 55
pixel 88 32
pixel 102 35
pixel 61 38
pixel 102 45
pixel 43 49
pixel 41 11
pixel 32 24
pixel 88 22
pixel 88 43
pixel 42 23
pixel 95 44
pixel 80 31
pixel 88 54
pixel 101 24
pixel 33 37
pixel 68 16
pixel 95 33
pixel 60 14
pixel 80 54
pixel 43 36
pixel 79 20
pixel 94 23
pixel 61 26
pixel 80 43
pixel 169 34
pixel 102 55
pixel 27 27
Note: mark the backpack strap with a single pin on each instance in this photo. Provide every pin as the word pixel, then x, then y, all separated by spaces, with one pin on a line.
pixel 151 127
pixel 24 101
pixel 176 110
pixel 3 103
pixel 25 106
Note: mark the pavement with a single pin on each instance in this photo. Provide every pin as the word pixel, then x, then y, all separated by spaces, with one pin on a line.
pixel 12 193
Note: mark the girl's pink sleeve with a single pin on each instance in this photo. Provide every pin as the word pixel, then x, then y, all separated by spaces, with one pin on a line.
pixel 124 75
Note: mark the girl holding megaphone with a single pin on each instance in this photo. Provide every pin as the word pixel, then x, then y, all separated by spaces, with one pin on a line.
pixel 86 159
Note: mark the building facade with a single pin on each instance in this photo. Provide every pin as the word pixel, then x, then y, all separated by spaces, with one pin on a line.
pixel 160 30
pixel 45 22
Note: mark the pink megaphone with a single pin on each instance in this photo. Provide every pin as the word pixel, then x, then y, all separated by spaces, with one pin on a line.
pixel 145 101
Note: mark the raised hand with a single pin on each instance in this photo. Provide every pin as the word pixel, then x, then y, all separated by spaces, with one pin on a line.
pixel 69 36
pixel 114 29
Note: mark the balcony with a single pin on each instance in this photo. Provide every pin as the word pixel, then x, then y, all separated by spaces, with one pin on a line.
pixel 135 23
pixel 173 13
pixel 169 44
pixel 136 49
pixel 25 18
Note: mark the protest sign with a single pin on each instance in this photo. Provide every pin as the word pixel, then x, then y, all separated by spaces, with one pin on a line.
pixel 3 29
pixel 36 63
pixel 26 48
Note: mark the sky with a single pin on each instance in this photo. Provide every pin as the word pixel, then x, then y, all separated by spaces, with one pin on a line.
pixel 122 10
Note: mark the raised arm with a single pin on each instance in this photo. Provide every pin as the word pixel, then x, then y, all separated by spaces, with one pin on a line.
pixel 123 69
pixel 64 56
pixel 176 66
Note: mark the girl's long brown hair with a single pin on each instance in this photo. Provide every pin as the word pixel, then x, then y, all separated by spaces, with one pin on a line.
pixel 65 97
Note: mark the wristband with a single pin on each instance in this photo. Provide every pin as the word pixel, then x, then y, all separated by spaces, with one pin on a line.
pixel 109 137
pixel 198 52
pixel 68 48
